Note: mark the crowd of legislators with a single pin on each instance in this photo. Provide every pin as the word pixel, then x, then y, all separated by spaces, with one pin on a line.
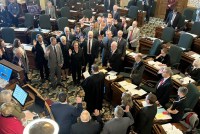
pixel 79 49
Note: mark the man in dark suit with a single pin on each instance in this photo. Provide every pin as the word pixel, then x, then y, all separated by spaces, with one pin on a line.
pixel 170 7
pixel 94 89
pixel 108 4
pixel 147 7
pixel 91 28
pixel 91 50
pixel 69 36
pixel 119 124
pixel 55 61
pixel 173 18
pixel 163 87
pixel 110 27
pixel 65 115
pixel 39 49
pixel 146 115
pixel 114 58
pixel 115 13
pixel 87 126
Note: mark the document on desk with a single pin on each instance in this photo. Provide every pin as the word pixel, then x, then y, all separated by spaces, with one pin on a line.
pixel 171 129
pixel 112 73
pixel 21 29
pixel 86 74
pixel 161 116
pixel 103 71
pixel 132 54
pixel 176 76
pixel 195 56
pixel 111 77
pixel 187 80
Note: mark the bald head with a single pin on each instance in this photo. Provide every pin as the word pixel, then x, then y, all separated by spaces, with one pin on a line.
pixel 115 7
pixel 134 24
pixel 114 46
pixel 109 21
pixel 120 33
pixel 90 34
pixel 66 30
pixel 85 116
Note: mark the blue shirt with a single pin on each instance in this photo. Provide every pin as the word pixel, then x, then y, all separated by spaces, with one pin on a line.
pixel 13 8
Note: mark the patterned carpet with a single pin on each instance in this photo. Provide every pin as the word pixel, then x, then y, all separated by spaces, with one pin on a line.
pixel 107 111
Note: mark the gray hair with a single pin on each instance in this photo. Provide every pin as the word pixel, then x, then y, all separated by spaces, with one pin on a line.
pixel 118 112
pixel 5 96
pixel 168 70
pixel 183 90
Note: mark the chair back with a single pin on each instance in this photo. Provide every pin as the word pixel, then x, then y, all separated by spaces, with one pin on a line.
pixel 188 13
pixel 29 20
pixel 175 53
pixel 181 22
pixel 168 34
pixel 140 5
pixel 8 34
pixel 65 12
pixel 155 49
pixel 130 3
pixel 44 22
pixel 62 23
pixel 185 41
pixel 87 13
pixel 133 12
pixel 192 96
pixel 195 28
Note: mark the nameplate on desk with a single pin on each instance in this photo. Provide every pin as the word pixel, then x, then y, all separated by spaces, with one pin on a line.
pixel 73 11
pixel 72 21
pixel 171 129
pixel 20 29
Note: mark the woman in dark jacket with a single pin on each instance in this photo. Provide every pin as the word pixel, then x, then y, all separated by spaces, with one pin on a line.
pixel 77 62
pixel 163 57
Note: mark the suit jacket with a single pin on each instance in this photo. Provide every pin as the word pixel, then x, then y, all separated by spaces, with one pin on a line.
pixel 87 29
pixel 94 49
pixel 106 44
pixel 135 36
pixel 90 127
pixel 114 60
pixel 107 6
pixel 121 46
pixel 65 115
pixel 51 12
pixel 69 38
pixel 172 4
pixel 137 72
pixel 113 29
pixel 176 19
pixel 163 91
pixel 98 27
pixel 144 121
pixel 39 53
pixel 51 57
pixel 118 125
pixel 150 2
pixel 194 73
pixel 116 15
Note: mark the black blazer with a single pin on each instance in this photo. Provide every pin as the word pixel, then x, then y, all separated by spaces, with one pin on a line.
pixel 121 47
pixel 113 30
pixel 39 53
pixel 77 59
pixel 144 120
pixel 107 6
pixel 176 19
pixel 94 50
pixel 194 73
pixel 137 72
pixel 116 16
pixel 164 60
pixel 7 55
pixel 163 91
pixel 114 60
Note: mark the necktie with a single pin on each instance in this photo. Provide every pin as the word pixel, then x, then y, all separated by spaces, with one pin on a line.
pixel 89 45
pixel 131 36
pixel 55 53
pixel 161 82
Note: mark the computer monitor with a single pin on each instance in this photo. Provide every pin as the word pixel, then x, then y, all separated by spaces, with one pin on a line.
pixel 5 72
pixel 20 95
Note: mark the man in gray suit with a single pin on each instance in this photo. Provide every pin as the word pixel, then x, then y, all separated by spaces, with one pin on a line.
pixel 55 61
pixel 119 124
pixel 133 36
pixel 50 10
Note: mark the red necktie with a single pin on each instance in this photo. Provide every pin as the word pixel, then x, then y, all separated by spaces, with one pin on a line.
pixel 131 36
pixel 160 83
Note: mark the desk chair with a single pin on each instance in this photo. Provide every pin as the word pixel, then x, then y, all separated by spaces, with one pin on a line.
pixel 87 13
pixel 140 6
pixel 133 12
pixel 62 23
pixel 168 34
pixel 181 23
pixel 65 12
pixel 29 20
pixel 185 41
pixel 195 28
pixel 188 13
pixel 87 5
pixel 175 53
pixel 8 34
pixel 44 22
pixel 93 3
pixel 130 3
pixel 155 49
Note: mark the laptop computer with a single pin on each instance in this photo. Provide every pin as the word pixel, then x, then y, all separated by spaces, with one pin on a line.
pixel 5 74
pixel 20 95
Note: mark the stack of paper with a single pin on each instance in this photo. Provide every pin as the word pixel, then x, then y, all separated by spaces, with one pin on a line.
pixel 86 74
pixel 157 65
pixel 195 56
pixel 177 76
pixel 111 77
pixel 171 129
pixel 103 71
pixel 27 47
pixel 161 116
pixel 187 80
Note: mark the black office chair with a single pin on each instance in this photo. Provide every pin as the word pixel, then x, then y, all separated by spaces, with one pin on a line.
pixel 185 41
pixel 44 22
pixel 33 35
pixel 8 34
pixel 87 13
pixel 188 13
pixel 192 97
pixel 140 5
pixel 133 12
pixel 65 12
pixel 93 3
pixel 175 53
pixel 181 23
pixel 168 34
pixel 195 28
pixel 130 3
pixel 62 23
pixel 29 20
pixel 87 5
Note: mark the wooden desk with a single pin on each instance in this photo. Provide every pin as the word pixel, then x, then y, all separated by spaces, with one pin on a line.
pixel 158 129
pixel 196 45
pixel 16 69
pixel 108 83
pixel 145 45
pixel 100 8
